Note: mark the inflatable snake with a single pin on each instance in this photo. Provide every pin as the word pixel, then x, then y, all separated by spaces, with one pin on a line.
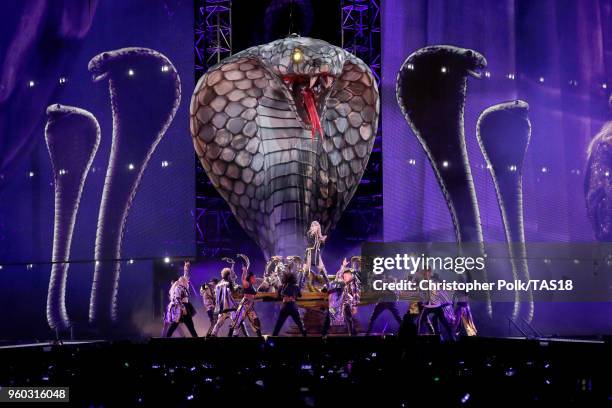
pixel 284 131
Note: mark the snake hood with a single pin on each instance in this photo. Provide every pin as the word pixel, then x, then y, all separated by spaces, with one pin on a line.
pixel 284 131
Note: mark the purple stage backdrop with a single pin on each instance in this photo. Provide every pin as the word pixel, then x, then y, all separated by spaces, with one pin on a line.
pixel 160 222
pixel 557 56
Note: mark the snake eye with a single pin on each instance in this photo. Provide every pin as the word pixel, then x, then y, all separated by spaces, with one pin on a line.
pixel 297 55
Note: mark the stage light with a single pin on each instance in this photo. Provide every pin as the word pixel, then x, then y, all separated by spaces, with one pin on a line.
pixel 445 164
pixel 604 85
pixel 131 261
pixel 544 169
pixel 130 72
pixel 547 261
pixel 189 397
pixel 165 68
pixel 412 162
pixel 166 260
pixel 607 173
pixel 297 55
pixel 31 174
pixel 512 167
pixel 31 84
pixel 29 266
pixel 576 261
pixel 487 74
pixel 97 262
pixel 410 66
pixel 62 172
pixel 510 76
pixel 573 82
pixel 62 80
pixel 541 79
pixel 465 398
pixel 443 70
pixel 1 267
pixel 130 166
pixel 165 163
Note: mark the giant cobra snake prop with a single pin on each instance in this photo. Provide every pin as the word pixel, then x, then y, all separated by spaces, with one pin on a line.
pixel 284 131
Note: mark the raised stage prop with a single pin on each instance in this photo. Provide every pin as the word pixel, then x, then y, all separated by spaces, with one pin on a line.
pixel 284 131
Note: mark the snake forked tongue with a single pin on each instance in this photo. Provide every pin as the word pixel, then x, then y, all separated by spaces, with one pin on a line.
pixel 313 116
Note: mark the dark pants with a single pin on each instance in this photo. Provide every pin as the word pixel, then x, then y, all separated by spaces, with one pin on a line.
pixel 188 322
pixel 381 307
pixel 212 319
pixel 439 318
pixel 289 309
pixel 348 320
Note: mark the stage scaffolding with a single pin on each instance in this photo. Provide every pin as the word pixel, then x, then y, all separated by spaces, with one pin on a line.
pixel 212 43
pixel 360 25
pixel 213 33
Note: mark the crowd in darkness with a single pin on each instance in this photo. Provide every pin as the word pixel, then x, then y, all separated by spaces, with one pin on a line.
pixel 359 371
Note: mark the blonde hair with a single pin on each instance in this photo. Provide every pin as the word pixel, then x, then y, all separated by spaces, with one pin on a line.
pixel 225 273
pixel 315 231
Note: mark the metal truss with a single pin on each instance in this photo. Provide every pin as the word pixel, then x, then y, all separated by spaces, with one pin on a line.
pixel 361 31
pixel 213 33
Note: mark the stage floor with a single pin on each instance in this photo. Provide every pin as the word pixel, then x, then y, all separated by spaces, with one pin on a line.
pixel 338 371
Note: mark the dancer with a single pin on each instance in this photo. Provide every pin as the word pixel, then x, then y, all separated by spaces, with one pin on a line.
pixel 225 304
pixel 180 310
pixel 434 303
pixel 463 315
pixel 167 316
pixel 334 315
pixel 345 305
pixel 246 308
pixel 387 301
pixel 207 291
pixel 289 293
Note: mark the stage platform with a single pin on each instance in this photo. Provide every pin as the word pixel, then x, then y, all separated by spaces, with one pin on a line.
pixel 294 371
